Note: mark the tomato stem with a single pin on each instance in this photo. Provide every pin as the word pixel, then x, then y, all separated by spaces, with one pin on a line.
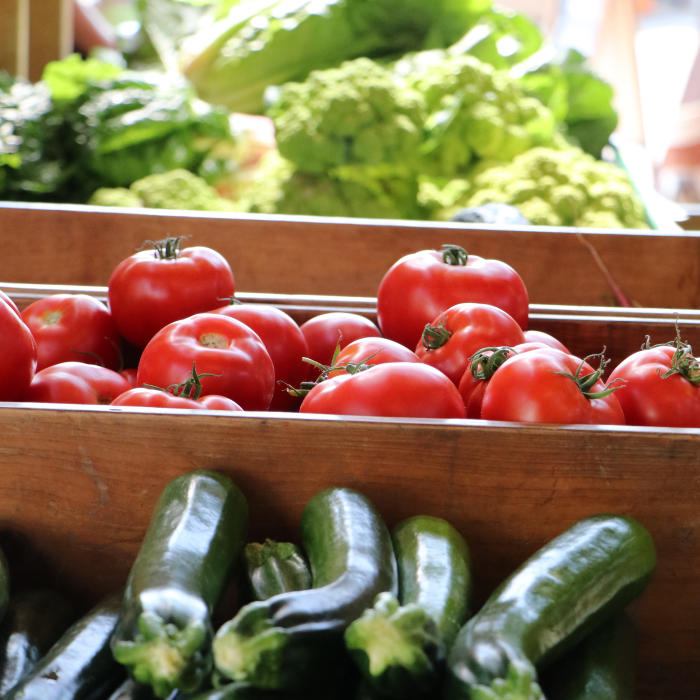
pixel 483 363
pixel 683 361
pixel 453 254
pixel 435 337
pixel 167 248
pixel 586 382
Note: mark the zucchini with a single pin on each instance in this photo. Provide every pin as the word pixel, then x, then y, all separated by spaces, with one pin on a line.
pixel 550 603
pixel 132 690
pixel 195 536
pixel 400 643
pixel 35 620
pixel 601 667
pixel 294 639
pixel 275 567
pixel 79 665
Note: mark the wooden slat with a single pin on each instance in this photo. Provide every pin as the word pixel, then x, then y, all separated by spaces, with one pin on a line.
pixel 50 33
pixel 298 255
pixel 77 486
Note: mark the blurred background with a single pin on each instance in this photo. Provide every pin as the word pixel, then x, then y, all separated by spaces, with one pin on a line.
pixel 648 50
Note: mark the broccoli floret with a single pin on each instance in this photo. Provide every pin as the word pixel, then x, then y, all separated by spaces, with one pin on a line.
pixel 179 189
pixel 115 197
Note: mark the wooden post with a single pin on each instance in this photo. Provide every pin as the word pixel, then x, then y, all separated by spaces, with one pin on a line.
pixel 14 37
pixel 50 33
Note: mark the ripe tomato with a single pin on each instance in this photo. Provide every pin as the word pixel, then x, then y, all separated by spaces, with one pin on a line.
pixel 660 386
pixel 18 356
pixel 545 338
pixel 459 331
pixel 284 342
pixel 150 289
pixel 9 301
pixel 229 357
pixel 76 382
pixel 547 385
pixel 73 327
pixel 370 351
pixel 421 285
pixel 325 332
pixel 157 398
pixel 391 389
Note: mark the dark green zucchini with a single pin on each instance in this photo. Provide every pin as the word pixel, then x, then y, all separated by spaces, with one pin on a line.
pixel 79 665
pixel 400 643
pixel 600 667
pixel 132 690
pixel 274 567
pixel 35 620
pixel 550 603
pixel 290 641
pixel 193 541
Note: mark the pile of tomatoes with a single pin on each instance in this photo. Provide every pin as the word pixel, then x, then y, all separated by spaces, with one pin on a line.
pixel 450 341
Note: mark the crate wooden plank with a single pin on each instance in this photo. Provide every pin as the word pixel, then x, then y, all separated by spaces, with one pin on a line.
pixel 50 33
pixel 77 485
pixel 14 37
pixel 304 255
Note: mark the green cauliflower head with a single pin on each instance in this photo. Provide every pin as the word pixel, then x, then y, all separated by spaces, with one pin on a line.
pixel 358 113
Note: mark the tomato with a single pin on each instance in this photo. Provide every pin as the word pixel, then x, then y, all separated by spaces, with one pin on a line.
pixel 157 398
pixel 229 357
pixel 154 398
pixel 284 342
pixel 73 327
pixel 76 382
pixel 150 289
pixel 391 389
pixel 325 332
pixel 419 286
pixel 660 386
pixel 459 331
pixel 481 367
pixel 129 373
pixel 545 338
pixel 547 385
pixel 18 356
pixel 370 351
pixel 8 300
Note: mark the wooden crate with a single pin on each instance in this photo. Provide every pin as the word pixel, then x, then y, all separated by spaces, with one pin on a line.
pixel 77 483
pixel 306 255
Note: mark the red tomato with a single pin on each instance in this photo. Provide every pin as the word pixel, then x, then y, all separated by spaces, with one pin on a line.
pixel 545 338
pixel 229 356
pixel 421 285
pixel 458 332
pixel 129 373
pixel 371 351
pixel 544 386
pixel 76 382
pixel 325 332
pixel 660 386
pixel 154 398
pixel 73 327
pixel 481 368
pixel 18 356
pixel 8 300
pixel 284 341
pixel 150 289
pixel 391 389
pixel 157 398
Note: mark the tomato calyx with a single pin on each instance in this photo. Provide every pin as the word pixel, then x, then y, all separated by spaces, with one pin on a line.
pixel 453 254
pixel 435 337
pixel 167 248
pixel 586 382
pixel 683 362
pixel 483 363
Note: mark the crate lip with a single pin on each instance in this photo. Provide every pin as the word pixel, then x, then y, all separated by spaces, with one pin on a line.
pixel 353 222
pixel 281 417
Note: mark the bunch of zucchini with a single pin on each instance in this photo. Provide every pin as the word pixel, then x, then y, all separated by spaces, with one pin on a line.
pixel 357 611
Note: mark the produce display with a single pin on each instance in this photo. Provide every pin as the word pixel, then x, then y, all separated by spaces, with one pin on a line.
pixel 451 340
pixel 369 612
pixel 335 108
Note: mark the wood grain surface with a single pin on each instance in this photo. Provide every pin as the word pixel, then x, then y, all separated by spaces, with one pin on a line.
pixel 77 486
pixel 295 255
